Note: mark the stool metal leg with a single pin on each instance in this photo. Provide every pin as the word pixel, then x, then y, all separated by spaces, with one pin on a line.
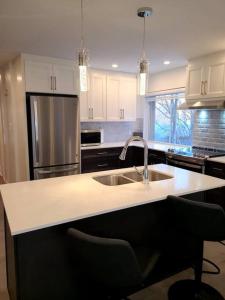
pixel 194 289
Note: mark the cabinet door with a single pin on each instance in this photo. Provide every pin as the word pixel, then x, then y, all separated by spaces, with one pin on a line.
pixel 98 96
pixel 215 80
pixel 194 85
pixel 84 107
pixel 38 77
pixel 114 112
pixel 128 98
pixel 65 79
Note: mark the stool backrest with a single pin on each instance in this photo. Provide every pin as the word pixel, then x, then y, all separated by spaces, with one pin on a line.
pixel 205 221
pixel 110 263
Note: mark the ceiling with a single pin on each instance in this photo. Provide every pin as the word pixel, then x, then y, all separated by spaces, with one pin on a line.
pixel 177 31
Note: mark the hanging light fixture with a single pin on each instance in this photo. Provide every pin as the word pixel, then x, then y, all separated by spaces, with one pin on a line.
pixel 143 12
pixel 83 57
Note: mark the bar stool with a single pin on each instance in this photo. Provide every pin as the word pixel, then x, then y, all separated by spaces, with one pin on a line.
pixel 204 222
pixel 112 266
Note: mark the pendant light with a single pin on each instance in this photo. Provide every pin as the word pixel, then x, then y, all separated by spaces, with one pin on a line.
pixel 143 12
pixel 83 57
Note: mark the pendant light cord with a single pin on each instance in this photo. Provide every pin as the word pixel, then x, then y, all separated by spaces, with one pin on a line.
pixel 143 42
pixel 82 24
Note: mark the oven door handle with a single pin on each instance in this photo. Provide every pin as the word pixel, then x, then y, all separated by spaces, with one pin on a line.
pixel 179 163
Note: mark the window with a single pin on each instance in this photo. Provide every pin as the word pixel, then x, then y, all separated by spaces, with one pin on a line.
pixel 166 123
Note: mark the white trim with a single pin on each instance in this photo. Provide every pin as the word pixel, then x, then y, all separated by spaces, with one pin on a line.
pixel 165 92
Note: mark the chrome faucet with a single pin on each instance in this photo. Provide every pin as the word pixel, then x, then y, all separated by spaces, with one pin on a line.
pixel 122 156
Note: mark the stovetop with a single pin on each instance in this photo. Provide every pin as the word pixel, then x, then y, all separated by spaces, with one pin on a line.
pixel 196 152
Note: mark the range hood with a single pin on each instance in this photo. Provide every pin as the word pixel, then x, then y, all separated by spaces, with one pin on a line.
pixel 205 104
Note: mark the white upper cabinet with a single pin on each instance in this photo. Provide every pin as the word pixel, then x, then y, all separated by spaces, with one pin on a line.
pixel 128 98
pixel 97 96
pixel 114 111
pixel 206 78
pixel 38 77
pixel 215 81
pixel 85 112
pixel 46 75
pixel 121 98
pixel 194 87
pixel 111 97
pixel 65 79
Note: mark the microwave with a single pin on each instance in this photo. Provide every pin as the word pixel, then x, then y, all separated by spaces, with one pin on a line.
pixel 91 137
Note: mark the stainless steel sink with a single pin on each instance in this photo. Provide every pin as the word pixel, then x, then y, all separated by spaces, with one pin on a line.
pixel 130 177
pixel 153 176
pixel 113 180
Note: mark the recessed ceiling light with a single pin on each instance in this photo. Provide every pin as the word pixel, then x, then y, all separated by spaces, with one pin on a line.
pixel 166 62
pixel 115 66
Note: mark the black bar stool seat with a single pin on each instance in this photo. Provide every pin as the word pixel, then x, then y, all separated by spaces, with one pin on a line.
pixel 204 222
pixel 112 266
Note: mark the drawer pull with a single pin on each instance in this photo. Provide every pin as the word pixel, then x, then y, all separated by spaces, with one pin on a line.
pixel 217 169
pixel 102 165
pixel 102 153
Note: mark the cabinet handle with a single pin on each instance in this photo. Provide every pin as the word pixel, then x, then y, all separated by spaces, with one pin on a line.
pixel 202 93
pixel 89 113
pixel 92 113
pixel 205 87
pixel 217 169
pixel 102 165
pixel 52 83
pixel 55 83
pixel 102 153
pixel 121 114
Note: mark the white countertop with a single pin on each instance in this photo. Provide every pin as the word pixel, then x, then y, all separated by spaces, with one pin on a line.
pixel 43 203
pixel 151 145
pixel 219 159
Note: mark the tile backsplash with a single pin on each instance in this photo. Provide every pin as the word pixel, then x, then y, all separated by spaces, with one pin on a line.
pixel 115 131
pixel 209 129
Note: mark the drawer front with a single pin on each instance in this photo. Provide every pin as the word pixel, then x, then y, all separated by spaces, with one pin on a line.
pixel 100 153
pixel 215 169
pixel 100 159
pixel 95 165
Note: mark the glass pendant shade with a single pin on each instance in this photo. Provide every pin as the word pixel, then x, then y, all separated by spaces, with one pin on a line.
pixel 143 77
pixel 83 69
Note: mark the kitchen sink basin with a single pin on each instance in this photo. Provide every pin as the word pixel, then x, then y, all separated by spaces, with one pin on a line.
pixel 153 176
pixel 113 180
pixel 129 177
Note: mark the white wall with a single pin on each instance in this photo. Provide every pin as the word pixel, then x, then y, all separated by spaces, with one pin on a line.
pixel 171 79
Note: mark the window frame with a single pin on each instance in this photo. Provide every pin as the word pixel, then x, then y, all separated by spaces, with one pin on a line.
pixel 149 116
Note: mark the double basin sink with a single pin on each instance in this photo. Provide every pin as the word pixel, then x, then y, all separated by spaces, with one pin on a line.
pixel 130 177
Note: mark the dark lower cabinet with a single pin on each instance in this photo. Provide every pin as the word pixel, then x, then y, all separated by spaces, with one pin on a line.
pixel 156 157
pixel 94 160
pixel 215 169
pixel 216 196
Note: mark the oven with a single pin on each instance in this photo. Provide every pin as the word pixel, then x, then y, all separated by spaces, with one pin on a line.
pixel 188 163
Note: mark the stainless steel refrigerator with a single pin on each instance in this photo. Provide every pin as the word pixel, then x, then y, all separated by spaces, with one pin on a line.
pixel 54 135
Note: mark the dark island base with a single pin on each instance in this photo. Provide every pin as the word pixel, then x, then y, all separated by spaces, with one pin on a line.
pixel 39 265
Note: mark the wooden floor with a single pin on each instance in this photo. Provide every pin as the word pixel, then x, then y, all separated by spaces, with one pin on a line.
pixel 213 251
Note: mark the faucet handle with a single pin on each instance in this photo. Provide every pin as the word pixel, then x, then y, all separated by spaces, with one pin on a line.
pixel 138 171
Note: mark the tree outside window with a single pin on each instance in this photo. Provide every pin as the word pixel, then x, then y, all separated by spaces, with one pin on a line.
pixel 167 124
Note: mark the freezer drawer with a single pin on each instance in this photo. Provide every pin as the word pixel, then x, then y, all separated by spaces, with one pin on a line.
pixel 49 172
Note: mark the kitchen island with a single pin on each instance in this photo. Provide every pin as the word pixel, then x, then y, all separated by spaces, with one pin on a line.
pixel 38 213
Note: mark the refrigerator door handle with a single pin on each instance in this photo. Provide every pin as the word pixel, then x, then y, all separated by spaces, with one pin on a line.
pixel 36 129
pixel 57 171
